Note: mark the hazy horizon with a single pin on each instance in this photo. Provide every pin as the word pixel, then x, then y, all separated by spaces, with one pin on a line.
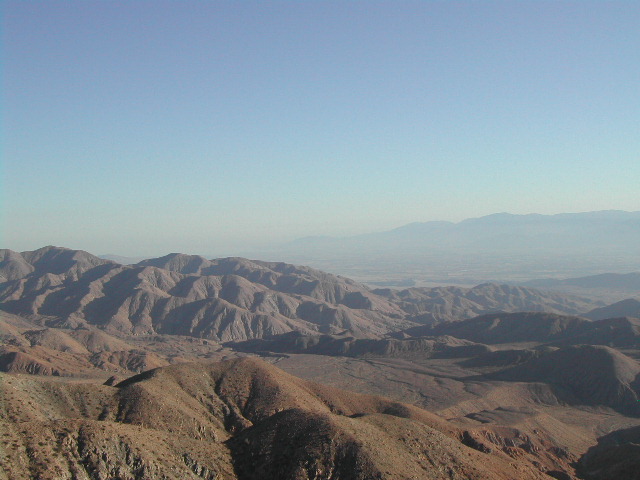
pixel 297 247
pixel 137 128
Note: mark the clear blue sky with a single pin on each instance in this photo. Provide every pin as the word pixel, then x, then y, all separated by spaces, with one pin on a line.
pixel 145 127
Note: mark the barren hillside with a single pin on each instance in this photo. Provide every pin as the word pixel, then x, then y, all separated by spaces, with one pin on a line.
pixel 232 420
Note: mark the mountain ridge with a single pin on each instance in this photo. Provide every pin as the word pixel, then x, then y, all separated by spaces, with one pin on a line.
pixel 271 297
pixel 233 299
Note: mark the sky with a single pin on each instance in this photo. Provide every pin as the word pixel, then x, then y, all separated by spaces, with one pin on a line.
pixel 210 127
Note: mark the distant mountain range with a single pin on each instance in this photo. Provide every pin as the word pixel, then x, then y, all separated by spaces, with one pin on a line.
pixel 605 231
pixel 498 247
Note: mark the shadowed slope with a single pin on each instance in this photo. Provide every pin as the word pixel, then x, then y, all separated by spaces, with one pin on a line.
pixel 615 332
pixel 617 455
pixel 508 328
pixel 625 308
pixel 585 374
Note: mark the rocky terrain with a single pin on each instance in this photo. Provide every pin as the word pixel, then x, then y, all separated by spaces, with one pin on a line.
pixel 241 419
pixel 493 381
